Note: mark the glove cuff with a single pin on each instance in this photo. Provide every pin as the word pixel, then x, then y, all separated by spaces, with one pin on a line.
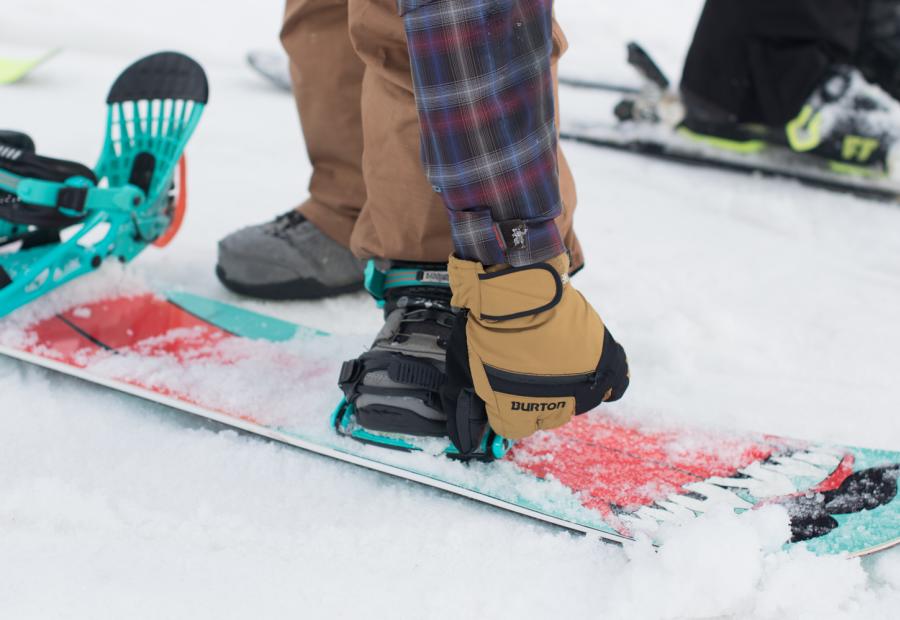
pixel 508 293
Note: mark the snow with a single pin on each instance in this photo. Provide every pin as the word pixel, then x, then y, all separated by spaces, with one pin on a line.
pixel 744 304
pixel 82 312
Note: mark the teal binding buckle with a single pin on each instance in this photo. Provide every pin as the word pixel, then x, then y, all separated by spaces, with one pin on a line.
pixel 378 281
pixel 67 227
pixel 493 446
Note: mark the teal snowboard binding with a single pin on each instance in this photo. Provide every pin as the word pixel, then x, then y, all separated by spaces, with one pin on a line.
pixel 343 420
pixel 393 390
pixel 60 220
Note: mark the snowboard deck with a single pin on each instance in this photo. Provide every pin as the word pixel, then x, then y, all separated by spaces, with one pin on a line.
pixel 15 67
pixel 601 475
pixel 661 142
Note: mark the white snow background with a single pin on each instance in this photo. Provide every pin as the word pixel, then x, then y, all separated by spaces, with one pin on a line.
pixel 743 303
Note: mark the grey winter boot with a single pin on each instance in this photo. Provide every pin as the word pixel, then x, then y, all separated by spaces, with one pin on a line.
pixel 288 258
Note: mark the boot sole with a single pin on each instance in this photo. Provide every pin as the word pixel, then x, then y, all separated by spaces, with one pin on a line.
pixel 301 289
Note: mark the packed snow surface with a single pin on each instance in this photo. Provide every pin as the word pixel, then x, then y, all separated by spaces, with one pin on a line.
pixel 744 304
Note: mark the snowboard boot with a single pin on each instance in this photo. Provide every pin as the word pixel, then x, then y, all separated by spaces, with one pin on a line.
pixel 849 124
pixel 287 258
pixel 394 387
pixel 879 45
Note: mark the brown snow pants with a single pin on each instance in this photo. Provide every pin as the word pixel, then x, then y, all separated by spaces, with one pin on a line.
pixel 352 83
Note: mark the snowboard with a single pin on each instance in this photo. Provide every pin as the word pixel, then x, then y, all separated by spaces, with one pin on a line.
pixel 644 120
pixel 602 475
pixel 273 67
pixel 15 67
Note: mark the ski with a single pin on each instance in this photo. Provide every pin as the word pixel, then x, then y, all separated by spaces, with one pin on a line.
pixel 601 475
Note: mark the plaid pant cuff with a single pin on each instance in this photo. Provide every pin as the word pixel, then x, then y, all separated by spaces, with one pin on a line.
pixel 514 242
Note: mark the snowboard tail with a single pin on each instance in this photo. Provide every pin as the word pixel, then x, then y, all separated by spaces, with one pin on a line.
pixel 599 475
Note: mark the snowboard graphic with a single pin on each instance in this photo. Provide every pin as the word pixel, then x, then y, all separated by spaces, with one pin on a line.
pixel 601 475
pixel 15 67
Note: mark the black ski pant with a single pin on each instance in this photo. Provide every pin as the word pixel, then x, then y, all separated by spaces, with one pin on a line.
pixel 757 61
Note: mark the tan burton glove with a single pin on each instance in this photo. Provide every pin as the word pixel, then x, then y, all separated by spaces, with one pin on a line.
pixel 527 353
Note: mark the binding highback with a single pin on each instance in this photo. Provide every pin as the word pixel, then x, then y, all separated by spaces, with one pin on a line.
pixel 59 220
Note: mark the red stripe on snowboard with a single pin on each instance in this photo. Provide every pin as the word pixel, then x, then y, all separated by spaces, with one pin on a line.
pixel 145 322
pixel 611 463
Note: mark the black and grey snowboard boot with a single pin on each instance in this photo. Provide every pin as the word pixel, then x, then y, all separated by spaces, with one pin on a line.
pixel 394 387
pixel 287 258
pixel 851 125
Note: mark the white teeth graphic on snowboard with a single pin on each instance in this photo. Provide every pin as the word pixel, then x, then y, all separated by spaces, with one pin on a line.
pixel 772 478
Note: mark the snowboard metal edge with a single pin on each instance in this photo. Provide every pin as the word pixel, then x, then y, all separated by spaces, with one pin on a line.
pixel 309 446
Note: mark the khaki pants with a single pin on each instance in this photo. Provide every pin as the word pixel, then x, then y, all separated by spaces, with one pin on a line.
pixel 351 75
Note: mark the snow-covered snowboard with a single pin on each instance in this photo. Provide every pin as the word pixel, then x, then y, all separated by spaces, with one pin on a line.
pixel 645 120
pixel 15 66
pixel 600 475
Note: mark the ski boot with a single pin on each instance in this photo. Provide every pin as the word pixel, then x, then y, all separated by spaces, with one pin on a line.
pixel 392 391
pixel 60 220
pixel 851 126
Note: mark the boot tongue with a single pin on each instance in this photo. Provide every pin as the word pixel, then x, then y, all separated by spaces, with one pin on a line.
pixel 417 286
